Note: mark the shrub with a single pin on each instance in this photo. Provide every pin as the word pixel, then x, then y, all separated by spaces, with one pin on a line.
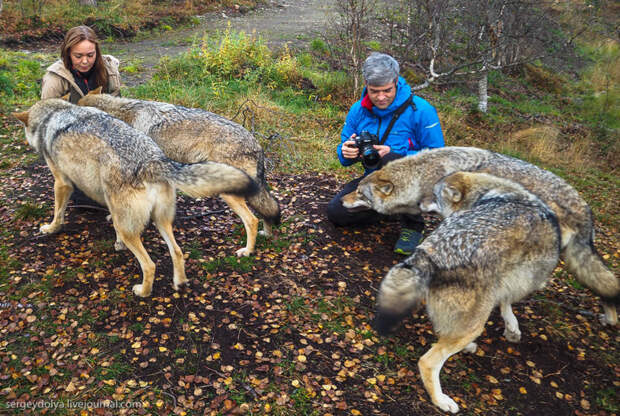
pixel 6 84
pixel 283 72
pixel 234 55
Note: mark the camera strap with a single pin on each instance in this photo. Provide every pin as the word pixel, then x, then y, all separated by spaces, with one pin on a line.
pixel 397 113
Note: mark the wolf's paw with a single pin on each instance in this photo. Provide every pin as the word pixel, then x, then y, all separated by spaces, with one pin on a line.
pixel 265 233
pixel 119 246
pixel 512 336
pixel 139 290
pixel 243 252
pixel 178 283
pixel 471 347
pixel 446 404
pixel 606 321
pixel 49 228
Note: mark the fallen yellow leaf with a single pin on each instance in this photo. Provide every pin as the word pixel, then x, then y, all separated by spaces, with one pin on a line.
pixel 492 379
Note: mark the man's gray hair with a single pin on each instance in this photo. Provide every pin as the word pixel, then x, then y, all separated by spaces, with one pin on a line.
pixel 380 69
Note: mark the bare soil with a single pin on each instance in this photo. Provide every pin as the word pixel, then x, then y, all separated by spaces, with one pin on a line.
pixel 289 328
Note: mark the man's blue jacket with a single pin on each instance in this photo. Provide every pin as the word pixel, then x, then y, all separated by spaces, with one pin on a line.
pixel 413 131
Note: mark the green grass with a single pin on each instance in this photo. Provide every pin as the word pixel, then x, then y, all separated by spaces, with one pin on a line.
pixel 302 403
pixel 608 399
pixel 296 305
pixel 133 66
pixel 239 264
pixel 7 264
pixel 31 211
pixel 20 76
pixel 194 250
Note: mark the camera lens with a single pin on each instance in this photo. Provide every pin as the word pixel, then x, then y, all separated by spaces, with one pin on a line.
pixel 370 158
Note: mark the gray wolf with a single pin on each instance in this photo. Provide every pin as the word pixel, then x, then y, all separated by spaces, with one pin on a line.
pixel 498 244
pixel 401 185
pixel 123 169
pixel 191 135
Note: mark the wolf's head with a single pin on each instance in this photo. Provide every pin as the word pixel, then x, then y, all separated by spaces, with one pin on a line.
pixel 37 115
pixel 461 190
pixel 96 99
pixel 400 186
pixel 394 189
pixel 119 107
pixel 450 194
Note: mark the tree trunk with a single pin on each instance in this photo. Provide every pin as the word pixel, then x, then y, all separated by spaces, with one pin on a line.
pixel 483 98
pixel 88 2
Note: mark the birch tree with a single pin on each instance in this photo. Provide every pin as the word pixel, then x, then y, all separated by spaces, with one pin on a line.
pixel 352 27
pixel 451 39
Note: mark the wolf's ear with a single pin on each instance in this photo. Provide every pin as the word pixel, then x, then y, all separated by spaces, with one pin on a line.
pixel 23 117
pixel 95 91
pixel 66 97
pixel 385 187
pixel 452 193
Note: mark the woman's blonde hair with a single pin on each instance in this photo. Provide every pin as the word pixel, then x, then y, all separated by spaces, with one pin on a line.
pixel 76 35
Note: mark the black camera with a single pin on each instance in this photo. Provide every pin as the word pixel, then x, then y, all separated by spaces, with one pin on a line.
pixel 369 155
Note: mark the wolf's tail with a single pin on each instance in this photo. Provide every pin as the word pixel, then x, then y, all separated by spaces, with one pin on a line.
pixel 402 289
pixel 210 178
pixel 584 262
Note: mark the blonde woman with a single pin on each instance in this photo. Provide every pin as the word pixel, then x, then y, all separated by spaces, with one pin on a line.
pixel 81 68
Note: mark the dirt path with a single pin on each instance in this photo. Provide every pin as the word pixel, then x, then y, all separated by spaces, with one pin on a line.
pixel 291 22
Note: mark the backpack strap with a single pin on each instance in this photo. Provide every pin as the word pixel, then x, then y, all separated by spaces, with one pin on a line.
pixel 397 113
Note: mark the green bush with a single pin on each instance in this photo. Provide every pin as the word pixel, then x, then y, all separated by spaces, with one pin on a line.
pixel 318 46
pixel 6 84
pixel 233 55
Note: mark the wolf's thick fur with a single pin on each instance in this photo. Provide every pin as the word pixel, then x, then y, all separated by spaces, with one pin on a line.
pixel 123 169
pixel 191 135
pixel 402 184
pixel 498 244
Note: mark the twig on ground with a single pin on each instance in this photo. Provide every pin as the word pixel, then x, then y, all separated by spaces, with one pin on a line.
pixel 202 214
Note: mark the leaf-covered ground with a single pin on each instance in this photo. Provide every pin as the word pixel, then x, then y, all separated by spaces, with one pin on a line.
pixel 286 331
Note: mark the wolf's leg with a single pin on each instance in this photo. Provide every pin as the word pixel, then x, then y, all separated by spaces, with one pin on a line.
pixel 62 191
pixel 250 222
pixel 163 215
pixel 133 243
pixel 430 365
pixel 130 209
pixel 511 330
pixel 118 244
pixel 471 347
pixel 267 230
pixel 585 264
pixel 609 315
